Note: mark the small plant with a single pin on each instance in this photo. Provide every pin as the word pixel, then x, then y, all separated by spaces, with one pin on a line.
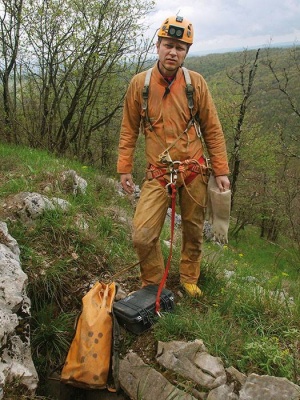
pixel 49 285
pixel 292 342
pixel 105 226
pixel 267 355
pixel 51 337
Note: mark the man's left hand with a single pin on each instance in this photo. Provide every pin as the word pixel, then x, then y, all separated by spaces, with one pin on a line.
pixel 223 183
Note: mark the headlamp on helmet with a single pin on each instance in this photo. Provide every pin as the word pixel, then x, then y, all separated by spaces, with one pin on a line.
pixel 177 28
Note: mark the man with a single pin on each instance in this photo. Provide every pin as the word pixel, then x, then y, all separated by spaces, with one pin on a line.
pixel 174 154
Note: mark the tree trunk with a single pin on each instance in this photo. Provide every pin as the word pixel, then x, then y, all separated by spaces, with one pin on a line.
pixel 247 91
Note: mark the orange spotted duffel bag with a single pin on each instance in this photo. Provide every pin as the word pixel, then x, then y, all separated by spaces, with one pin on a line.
pixel 89 360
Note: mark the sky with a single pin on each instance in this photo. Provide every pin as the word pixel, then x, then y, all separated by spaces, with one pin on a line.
pixel 233 24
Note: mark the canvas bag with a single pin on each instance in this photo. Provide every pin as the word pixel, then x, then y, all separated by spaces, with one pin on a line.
pixel 89 360
pixel 218 210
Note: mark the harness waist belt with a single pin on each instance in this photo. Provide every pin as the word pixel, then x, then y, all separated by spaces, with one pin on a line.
pixel 156 172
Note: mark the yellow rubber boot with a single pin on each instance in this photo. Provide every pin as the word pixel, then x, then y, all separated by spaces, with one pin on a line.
pixel 192 289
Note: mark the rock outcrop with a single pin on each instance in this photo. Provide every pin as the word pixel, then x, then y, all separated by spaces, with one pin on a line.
pixel 191 362
pixel 140 381
pixel 15 355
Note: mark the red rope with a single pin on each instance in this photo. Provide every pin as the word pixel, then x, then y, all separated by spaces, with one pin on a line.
pixel 164 278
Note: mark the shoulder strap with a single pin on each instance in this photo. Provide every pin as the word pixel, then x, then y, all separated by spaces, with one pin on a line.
pixel 189 88
pixel 146 89
pixel 190 96
pixel 145 94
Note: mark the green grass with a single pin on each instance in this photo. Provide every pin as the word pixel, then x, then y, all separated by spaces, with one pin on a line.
pixel 247 316
pixel 259 252
pixel 51 334
pixel 275 265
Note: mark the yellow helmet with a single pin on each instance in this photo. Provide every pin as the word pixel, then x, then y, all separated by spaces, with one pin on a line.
pixel 177 28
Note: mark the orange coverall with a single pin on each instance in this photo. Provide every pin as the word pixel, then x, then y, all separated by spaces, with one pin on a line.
pixel 169 116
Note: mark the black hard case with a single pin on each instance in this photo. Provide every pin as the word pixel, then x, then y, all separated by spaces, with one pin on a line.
pixel 136 312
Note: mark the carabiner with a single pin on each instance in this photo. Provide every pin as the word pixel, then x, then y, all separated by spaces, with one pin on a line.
pixel 165 157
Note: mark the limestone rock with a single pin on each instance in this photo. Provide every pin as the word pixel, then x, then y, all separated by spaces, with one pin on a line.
pixel 192 361
pixel 29 206
pixel 223 392
pixel 73 183
pixel 269 387
pixel 236 376
pixel 15 357
pixel 140 381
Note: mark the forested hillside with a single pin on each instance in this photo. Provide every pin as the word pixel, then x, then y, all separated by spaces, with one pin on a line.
pixel 64 73
pixel 258 100
pixel 275 86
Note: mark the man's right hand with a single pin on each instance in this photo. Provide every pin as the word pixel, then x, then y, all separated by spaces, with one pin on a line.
pixel 127 183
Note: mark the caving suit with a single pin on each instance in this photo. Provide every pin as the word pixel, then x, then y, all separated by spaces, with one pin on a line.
pixel 169 116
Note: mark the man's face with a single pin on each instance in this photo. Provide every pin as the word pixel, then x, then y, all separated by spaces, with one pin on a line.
pixel 171 55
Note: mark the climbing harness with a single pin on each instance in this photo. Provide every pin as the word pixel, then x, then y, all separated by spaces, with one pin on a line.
pixel 187 170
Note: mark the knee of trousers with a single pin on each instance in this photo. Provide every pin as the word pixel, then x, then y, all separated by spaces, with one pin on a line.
pixel 142 238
